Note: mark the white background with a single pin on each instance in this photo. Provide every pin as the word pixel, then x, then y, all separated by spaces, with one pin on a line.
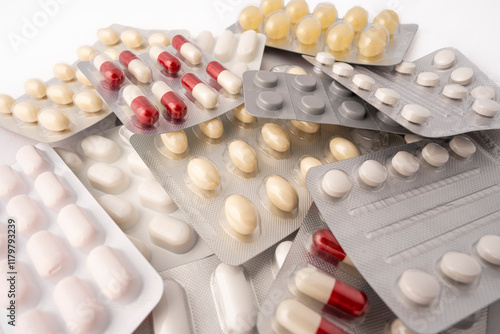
pixel 61 26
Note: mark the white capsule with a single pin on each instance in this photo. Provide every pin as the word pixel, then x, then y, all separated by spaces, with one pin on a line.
pixel 121 211
pixel 415 113
pixel 76 226
pixel 247 46
pixel 159 38
pixel 140 71
pixel 46 254
pixel 100 148
pixel 372 173
pixel 295 317
pixel 10 184
pixel 230 82
pixel 31 161
pixel 187 50
pixel 25 212
pixel 172 315
pixel 405 163
pixel 172 234
pixel 223 49
pixel 205 95
pixel 51 190
pixel 419 286
pixel 205 40
pixel 336 183
pixel 107 178
pixel 152 195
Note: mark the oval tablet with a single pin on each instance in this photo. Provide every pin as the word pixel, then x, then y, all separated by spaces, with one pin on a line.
pixel 203 174
pixel 64 72
pixel 107 36
pixel 419 286
pixel 6 102
pixel 76 226
pixel 131 38
pixel 82 78
pixel 35 88
pixel 84 52
pixel 444 59
pixel 405 163
pixel 460 267
pixel 45 253
pixel 241 214
pixel 50 190
pixel 243 156
pixel 405 67
pixel 435 155
pixel 242 115
pixel 342 149
pixel 462 146
pixel 176 142
pixel 387 96
pixel 159 38
pixel 415 113
pixel 487 108
pixel 171 315
pixel 152 195
pixel 372 173
pixel 276 137
pixel 454 91
pixel 488 248
pixel 343 69
pixel 26 111
pixel 462 76
pixel 172 234
pixel 308 163
pixel 100 148
pixel 481 92
pixel 25 212
pixel 107 178
pixel 53 119
pixel 88 101
pixel 213 128
pixel 121 211
pixel 336 183
pixel 60 94
pixel 31 161
pixel 306 127
pixel 428 79
pixel 281 193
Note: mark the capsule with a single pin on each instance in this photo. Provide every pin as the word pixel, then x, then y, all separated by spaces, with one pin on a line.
pixel 200 91
pixel 326 247
pixel 113 75
pixel 227 79
pixel 331 292
pixel 174 104
pixel 138 69
pixel 145 111
pixel 169 62
pixel 187 50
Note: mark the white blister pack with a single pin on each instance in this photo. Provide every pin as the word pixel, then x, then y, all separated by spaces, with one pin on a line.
pixel 441 94
pixel 70 269
pixel 420 222
pixel 112 171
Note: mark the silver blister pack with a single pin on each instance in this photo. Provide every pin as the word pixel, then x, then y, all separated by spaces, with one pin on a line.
pixel 420 222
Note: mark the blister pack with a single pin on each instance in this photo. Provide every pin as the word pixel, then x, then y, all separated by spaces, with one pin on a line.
pixel 351 39
pixel 420 222
pixel 112 171
pixel 441 94
pixel 66 267
pixel 311 99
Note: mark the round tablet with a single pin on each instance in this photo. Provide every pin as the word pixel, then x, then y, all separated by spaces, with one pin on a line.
pixel 419 286
pixel 405 67
pixel 342 149
pixel 428 79
pixel 352 110
pixel 488 108
pixel 270 101
pixel 462 75
pixel 325 58
pixel 312 105
pixel 304 83
pixel 342 69
pixel 411 138
pixel 454 91
pixel 387 96
pixel 444 59
pixel 488 248
pixel 435 155
pixel 460 267
pixel 483 92
pixel 336 183
pixel 266 79
pixel 372 173
pixel 415 113
pixel 405 163
pixel 462 146
pixel 337 88
pixel 363 81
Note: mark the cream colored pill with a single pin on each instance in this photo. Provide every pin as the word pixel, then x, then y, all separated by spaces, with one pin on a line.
pixel 419 286
pixel 488 248
pixel 82 78
pixel 326 14
pixel 481 92
pixel 398 327
pixel 76 226
pixel 243 156
pixel 325 58
pixel 141 247
pixel 435 155
pixel 31 161
pixel 64 72
pixel 373 41
pixel 60 94
pixel 308 30
pixel 172 234
pixel 25 212
pixel 296 70
pixel 462 76
pixel 389 19
pixel 462 146
pixel 343 69
pixel 113 53
pixel 84 52
pixel 297 9
pixel 387 96
pixel 405 163
pixel 454 91
pixel 411 138
pixel 460 267
pixel 26 111
pixel 308 163
pixel 444 59
pixel 405 67
pixel 223 48
pixel 34 321
pixel 415 113
pixel 269 6
pixel 50 190
pixel 363 81
pixel 45 253
pixel 107 36
pixel 372 173
pixel 152 195
pixel 203 174
pixel 176 142
pixel 241 214
pixel 281 193
pixel 307 127
pixel 6 102
pixel 100 148
pixel 89 101
pixel 131 38
pixel 137 165
pixel 336 183
pixel 277 25
pixel 342 149
pixel 10 184
pixel 213 128
pixel 340 36
pixel 357 17
pixel 487 108
pixel 242 115
pixel 107 178
pixel 251 18
pixel 35 88
pixel 428 79
pixel 159 38
pixel 281 253
pixel 276 137
pixel 121 211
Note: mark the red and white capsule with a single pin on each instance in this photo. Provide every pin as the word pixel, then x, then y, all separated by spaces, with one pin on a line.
pixel 200 91
pixel 169 62
pixel 175 106
pixel 326 247
pixel 112 73
pixel 227 79
pixel 187 50
pixel 146 112
pixel 300 319
pixel 139 70
pixel 331 292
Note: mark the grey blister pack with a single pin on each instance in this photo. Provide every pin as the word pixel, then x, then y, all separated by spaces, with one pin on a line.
pixel 311 99
pixel 438 95
pixel 420 222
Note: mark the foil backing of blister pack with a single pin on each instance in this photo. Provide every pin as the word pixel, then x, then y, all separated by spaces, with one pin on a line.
pixel 412 222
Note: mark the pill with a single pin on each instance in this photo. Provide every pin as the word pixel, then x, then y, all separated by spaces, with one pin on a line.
pixel 282 193
pixel 200 91
pixel 488 248
pixel 35 88
pixel 34 321
pixel 205 40
pixel 241 214
pixel 107 36
pixel 143 108
pixel 203 174
pixel 337 89
pixel 89 101
pixel 387 96
pixel 139 70
pixel 121 211
pixel 141 247
pixel 444 59
pixel 107 178
pixel 50 190
pixel 462 76
pixel 100 148
pixel 235 298
pixel 419 286
pixel 336 183
pixel 45 253
pixel 84 52
pixel 340 36
pixel 357 17
pixel 308 163
pixel 307 127
pixel 460 267
pixel 171 315
pixel 277 25
pixel 176 142
pixel 405 163
pixel 63 72
pixel 352 110
pixel 405 67
pixel 266 79
pixel 411 138
pixel 131 38
pixel 389 19
pixel 487 108
pixel 281 253
pixel 342 149
pixel 174 104
pixel 398 327
pixel 111 73
pixel 70 295
pixel 251 18
pixel 168 61
pixel 415 113
pixel 25 212
pixel 295 317
pixel 308 30
pixel 76 226
pixel 187 50
pixel 82 78
pixel 435 155
pixel 480 92
pixel 373 40
pixel 363 81
pixel 228 80
pixel 158 38
pixel 269 6
pixel 242 115
pixel 276 137
pixel 137 166
pixel 297 9
pixel 10 184
pixel 454 91
pixel 246 49
pixel 326 14
pixel 113 53
pixel 428 79
pixel 462 146
pixel 60 94
pixel 26 111
pixel 6 102
pixel 31 161
pixel 325 58
pixel 343 69
pixel 326 247
pixel 372 173
pixel 152 195
pixel 223 49
pixel 312 105
pixel 172 234
pixel 243 156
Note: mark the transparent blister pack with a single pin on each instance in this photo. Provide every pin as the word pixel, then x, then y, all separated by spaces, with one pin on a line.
pixel 382 42
pixel 420 222
pixel 318 290
pixel 441 94
pixel 69 268
pixel 310 99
